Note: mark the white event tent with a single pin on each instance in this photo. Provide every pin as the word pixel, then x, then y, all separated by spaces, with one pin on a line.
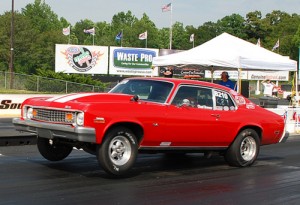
pixel 227 51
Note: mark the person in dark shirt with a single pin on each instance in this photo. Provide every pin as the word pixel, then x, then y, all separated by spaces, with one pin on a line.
pixel 225 81
pixel 168 72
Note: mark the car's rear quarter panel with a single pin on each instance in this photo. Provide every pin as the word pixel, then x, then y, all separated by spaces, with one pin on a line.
pixel 269 122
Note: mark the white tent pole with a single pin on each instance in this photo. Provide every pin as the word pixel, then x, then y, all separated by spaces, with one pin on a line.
pixel 239 83
pixel 257 92
pixel 212 74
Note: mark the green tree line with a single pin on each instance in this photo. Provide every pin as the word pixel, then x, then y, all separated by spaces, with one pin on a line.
pixel 37 29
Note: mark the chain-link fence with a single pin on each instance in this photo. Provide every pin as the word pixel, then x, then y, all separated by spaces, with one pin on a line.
pixel 17 81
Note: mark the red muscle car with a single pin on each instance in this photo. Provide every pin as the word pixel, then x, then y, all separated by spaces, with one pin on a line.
pixel 153 115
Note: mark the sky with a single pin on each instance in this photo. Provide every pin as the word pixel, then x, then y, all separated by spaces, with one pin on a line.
pixel 188 12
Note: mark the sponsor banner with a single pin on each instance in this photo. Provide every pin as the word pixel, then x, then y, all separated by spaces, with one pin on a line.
pixel 81 59
pixel 10 104
pixel 272 75
pixel 233 74
pixel 132 61
pixel 251 75
pixel 190 72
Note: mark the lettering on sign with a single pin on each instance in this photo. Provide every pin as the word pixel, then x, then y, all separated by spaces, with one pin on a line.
pixel 7 104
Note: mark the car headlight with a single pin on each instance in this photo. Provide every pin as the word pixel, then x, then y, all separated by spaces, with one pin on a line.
pixel 80 119
pixel 29 113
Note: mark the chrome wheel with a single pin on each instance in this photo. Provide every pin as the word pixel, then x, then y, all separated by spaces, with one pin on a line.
pixel 248 148
pixel 119 150
pixel 244 150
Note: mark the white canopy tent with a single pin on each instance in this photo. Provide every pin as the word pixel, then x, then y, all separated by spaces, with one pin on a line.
pixel 229 52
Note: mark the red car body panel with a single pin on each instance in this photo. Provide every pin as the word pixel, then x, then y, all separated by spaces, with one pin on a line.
pixel 164 124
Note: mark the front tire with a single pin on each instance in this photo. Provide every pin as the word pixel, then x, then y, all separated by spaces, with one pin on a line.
pixel 118 152
pixel 244 150
pixel 52 150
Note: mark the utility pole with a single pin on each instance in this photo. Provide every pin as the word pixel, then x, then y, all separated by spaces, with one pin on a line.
pixel 11 63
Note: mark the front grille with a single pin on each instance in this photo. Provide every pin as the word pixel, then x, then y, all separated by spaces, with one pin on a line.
pixel 55 116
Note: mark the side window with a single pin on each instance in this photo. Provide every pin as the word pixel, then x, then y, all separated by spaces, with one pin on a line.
pixel 186 95
pixel 204 98
pixel 223 100
pixel 194 96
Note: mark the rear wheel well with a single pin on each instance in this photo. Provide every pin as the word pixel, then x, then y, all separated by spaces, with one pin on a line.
pixel 135 128
pixel 255 128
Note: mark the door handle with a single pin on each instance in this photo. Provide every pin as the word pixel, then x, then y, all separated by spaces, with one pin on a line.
pixel 216 115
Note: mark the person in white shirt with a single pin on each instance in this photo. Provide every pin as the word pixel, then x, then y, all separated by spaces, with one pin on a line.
pixel 268 87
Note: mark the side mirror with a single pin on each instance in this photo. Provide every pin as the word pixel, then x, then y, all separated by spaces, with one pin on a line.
pixel 135 98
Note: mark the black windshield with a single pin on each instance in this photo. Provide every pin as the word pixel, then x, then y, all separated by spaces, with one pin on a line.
pixel 148 90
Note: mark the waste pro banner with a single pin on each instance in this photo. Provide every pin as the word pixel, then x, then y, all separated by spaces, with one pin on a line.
pixel 81 59
pixel 132 61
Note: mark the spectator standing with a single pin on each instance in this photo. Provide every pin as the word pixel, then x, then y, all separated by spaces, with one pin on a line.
pixel 168 72
pixel 225 81
pixel 268 87
pixel 275 90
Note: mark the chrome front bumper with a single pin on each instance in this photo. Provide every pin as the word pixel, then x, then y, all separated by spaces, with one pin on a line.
pixel 50 131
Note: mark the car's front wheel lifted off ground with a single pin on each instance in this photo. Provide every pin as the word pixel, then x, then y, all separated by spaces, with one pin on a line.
pixel 52 150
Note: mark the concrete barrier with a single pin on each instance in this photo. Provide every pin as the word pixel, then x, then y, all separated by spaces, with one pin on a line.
pixel 291 116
